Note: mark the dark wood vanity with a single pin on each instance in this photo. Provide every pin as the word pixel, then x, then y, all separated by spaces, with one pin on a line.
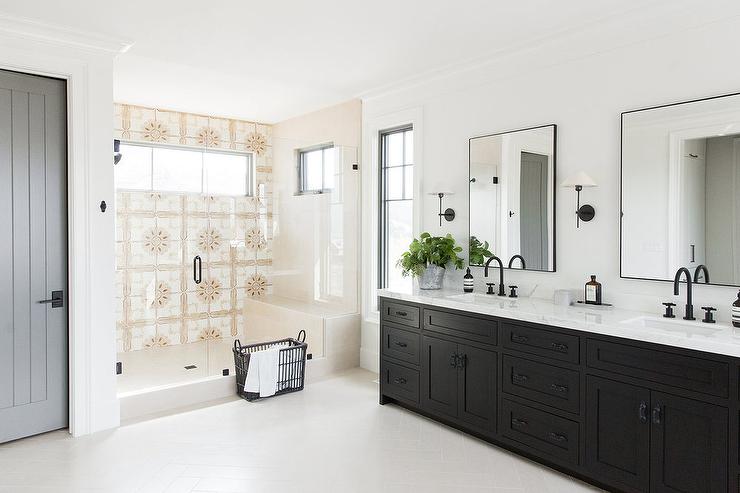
pixel 624 415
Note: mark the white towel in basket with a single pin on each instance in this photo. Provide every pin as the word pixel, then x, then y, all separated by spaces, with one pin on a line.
pixel 262 374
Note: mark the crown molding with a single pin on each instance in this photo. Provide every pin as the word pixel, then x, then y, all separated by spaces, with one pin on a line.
pixel 25 28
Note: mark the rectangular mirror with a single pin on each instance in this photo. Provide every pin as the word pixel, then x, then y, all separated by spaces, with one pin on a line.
pixel 512 198
pixel 680 191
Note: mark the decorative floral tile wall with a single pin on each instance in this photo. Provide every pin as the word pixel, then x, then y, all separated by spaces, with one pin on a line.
pixel 159 234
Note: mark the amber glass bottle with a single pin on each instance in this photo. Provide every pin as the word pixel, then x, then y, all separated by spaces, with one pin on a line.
pixel 593 292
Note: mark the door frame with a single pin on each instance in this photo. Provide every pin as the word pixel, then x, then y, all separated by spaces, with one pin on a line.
pixel 84 61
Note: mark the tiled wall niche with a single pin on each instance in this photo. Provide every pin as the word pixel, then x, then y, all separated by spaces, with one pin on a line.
pixel 159 234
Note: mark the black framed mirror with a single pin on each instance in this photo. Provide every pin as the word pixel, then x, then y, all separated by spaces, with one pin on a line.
pixel 680 191
pixel 512 198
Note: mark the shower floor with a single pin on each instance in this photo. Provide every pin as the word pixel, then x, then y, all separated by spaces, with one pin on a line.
pixel 170 365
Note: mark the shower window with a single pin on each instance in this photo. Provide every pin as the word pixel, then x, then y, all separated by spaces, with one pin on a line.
pixel 396 203
pixel 174 169
pixel 316 169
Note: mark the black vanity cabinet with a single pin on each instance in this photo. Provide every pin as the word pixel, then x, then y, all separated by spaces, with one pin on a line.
pixel 624 415
pixel 459 381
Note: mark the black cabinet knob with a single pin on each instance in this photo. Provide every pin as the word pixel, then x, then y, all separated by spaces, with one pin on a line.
pixel 669 310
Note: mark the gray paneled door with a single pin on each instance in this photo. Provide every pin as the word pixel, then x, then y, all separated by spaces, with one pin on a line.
pixel 33 251
pixel 533 211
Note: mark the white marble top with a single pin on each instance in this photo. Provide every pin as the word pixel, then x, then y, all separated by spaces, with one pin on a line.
pixel 718 338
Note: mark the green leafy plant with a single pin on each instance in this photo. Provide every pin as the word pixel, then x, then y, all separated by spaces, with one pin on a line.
pixel 430 250
pixel 479 252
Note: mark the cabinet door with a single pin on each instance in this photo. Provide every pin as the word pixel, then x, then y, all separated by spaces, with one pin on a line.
pixel 618 433
pixel 689 445
pixel 439 376
pixel 477 388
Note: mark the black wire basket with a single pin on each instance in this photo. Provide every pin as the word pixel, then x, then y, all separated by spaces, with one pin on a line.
pixel 291 364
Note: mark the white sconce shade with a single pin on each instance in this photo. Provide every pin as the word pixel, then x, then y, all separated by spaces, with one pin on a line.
pixel 579 178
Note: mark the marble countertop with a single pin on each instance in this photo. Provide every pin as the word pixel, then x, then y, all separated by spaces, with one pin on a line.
pixel 718 338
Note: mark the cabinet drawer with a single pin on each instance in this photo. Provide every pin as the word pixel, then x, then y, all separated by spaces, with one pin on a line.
pixel 547 384
pixel 469 327
pixel 541 431
pixel 399 313
pixel 541 342
pixel 400 344
pixel 399 381
pixel 686 372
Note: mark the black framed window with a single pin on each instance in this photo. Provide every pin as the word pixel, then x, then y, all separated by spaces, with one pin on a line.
pixel 396 201
pixel 166 168
pixel 316 169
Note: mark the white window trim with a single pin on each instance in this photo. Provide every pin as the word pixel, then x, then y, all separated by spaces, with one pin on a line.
pixel 372 126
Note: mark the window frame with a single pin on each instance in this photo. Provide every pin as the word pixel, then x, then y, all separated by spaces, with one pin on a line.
pixel 302 178
pixel 383 266
pixel 250 185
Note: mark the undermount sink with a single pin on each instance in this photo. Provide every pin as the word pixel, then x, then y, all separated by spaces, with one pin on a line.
pixel 481 298
pixel 674 325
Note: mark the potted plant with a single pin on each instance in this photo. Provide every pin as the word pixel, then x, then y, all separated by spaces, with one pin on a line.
pixel 479 252
pixel 427 258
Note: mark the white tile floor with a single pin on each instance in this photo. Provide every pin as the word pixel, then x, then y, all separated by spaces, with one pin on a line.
pixel 331 437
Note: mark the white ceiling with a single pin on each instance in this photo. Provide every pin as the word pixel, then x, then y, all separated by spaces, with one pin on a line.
pixel 275 59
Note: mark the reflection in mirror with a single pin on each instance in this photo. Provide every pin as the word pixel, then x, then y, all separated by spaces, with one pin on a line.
pixel 512 198
pixel 681 191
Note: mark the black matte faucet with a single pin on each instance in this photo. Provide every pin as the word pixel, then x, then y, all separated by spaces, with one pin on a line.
pixel 699 270
pixel 501 290
pixel 689 315
pixel 511 261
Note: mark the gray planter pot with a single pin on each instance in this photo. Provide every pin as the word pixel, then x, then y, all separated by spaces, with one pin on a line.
pixel 432 277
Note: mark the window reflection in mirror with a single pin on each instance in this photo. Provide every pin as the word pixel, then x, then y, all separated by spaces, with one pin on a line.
pixel 512 198
pixel 681 190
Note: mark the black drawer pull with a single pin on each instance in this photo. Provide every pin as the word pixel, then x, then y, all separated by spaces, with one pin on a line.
pixel 561 389
pixel 560 347
pixel 519 378
pixel 402 314
pixel 401 344
pixel 657 414
pixel 519 338
pixel 642 412
pixel 399 381
pixel 518 422
pixel 557 437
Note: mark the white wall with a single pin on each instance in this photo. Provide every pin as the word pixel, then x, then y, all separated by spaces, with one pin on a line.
pixel 87 63
pixel 581 81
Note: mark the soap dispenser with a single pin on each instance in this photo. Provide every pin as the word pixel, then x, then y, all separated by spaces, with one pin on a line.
pixel 468 282
pixel 736 311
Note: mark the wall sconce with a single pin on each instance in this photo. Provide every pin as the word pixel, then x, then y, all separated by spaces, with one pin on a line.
pixel 580 180
pixel 449 213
